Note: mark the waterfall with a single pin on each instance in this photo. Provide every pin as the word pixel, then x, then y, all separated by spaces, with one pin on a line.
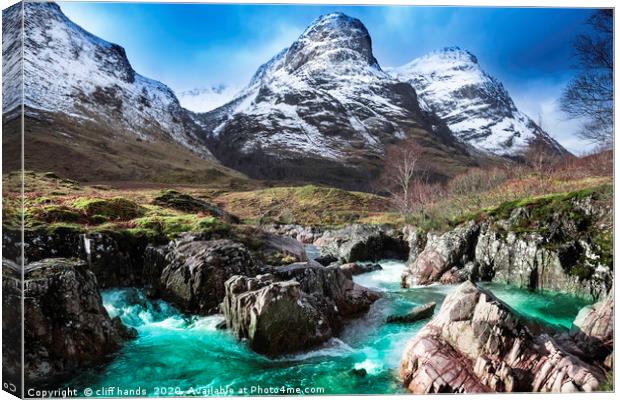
pixel 87 250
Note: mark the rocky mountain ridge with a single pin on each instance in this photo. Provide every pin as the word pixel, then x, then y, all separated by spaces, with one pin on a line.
pixel 69 71
pixel 322 110
pixel 476 106
pixel 324 102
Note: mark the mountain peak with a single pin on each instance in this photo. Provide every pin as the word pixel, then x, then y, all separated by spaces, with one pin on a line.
pixel 335 21
pixel 475 105
pixel 455 52
pixel 335 38
pixel 69 71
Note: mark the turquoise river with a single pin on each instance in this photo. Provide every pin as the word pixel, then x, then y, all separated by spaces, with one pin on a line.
pixel 176 354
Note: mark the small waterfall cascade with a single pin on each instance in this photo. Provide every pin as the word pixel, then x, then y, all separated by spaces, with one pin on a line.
pixel 86 241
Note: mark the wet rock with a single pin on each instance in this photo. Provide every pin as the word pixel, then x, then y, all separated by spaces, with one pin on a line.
pixel 297 307
pixel 124 331
pixel 415 240
pixel 326 260
pixel 275 317
pixel 196 270
pixel 594 329
pixel 363 243
pixel 361 372
pixel 417 313
pixel 442 252
pixel 330 286
pixel 279 249
pixel 352 269
pixel 455 275
pixel 116 260
pixel 154 264
pixel 67 326
pixel 477 344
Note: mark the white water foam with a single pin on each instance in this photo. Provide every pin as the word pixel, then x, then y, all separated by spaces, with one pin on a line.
pixel 334 347
pixel 388 276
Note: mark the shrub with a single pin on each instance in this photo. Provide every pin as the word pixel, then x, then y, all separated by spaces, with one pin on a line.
pixel 477 180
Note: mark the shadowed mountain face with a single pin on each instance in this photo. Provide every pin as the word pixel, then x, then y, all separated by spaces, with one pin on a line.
pixel 88 114
pixel 475 105
pixel 324 110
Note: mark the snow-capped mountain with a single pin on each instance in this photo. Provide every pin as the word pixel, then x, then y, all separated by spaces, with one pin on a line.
pixel 69 71
pixel 320 107
pixel 475 105
pixel 207 98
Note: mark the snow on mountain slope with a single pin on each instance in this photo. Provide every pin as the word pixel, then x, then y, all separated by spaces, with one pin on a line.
pixel 70 71
pixel 475 105
pixel 207 98
pixel 323 101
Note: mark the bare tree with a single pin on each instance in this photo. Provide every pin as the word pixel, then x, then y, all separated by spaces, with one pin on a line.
pixel 541 159
pixel 590 94
pixel 405 177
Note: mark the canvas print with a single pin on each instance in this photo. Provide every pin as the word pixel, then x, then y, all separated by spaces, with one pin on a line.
pixel 299 199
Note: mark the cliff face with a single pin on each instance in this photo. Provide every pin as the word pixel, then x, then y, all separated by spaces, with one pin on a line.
pixel 560 242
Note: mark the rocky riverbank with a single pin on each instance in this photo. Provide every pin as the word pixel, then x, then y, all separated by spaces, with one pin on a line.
pixel 278 302
pixel 559 243
pixel 66 326
pixel 476 343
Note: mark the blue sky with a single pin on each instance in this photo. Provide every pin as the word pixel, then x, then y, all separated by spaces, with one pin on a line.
pixel 199 45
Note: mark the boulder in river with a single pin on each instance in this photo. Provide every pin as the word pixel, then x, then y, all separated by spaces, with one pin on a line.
pixel 352 269
pixel 331 286
pixel 416 314
pixel 66 326
pixel 303 234
pixel 196 270
pixel 595 329
pixel 278 249
pixel 363 243
pixel 275 317
pixel 592 336
pixel 415 240
pixel 477 344
pixel 295 308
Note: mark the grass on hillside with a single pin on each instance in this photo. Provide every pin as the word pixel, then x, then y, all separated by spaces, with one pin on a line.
pixel 52 202
pixel 56 204
pixel 454 209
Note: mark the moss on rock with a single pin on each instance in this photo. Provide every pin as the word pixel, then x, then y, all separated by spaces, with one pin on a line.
pixel 117 208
